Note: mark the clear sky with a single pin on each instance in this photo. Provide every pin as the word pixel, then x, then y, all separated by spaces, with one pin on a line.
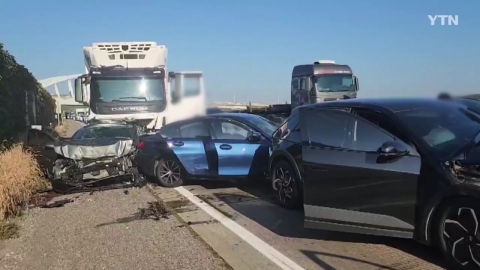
pixel 248 48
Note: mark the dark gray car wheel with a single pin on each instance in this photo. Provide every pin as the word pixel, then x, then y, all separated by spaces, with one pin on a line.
pixel 286 185
pixel 456 233
pixel 169 173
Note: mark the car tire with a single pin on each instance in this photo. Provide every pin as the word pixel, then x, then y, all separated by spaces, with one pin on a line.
pixel 60 188
pixel 286 185
pixel 455 232
pixel 169 173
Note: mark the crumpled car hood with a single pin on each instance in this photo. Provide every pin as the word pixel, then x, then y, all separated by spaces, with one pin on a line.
pixel 94 148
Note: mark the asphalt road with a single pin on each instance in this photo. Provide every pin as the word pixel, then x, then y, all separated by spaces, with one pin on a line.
pixel 116 229
pixel 106 230
pixel 252 207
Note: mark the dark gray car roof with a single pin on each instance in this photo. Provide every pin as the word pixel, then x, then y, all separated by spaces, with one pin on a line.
pixel 392 104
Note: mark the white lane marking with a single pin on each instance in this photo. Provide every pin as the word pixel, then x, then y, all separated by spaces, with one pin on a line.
pixel 268 251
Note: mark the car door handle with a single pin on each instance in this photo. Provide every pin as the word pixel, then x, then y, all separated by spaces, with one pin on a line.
pixel 318 169
pixel 177 143
pixel 225 147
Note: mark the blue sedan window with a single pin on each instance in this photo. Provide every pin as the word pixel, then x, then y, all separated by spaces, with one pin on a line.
pixel 170 131
pixel 194 130
pixel 264 124
pixel 232 131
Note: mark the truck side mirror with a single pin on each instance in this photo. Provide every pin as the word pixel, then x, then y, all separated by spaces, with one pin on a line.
pixel 308 83
pixel 171 76
pixel 175 97
pixel 357 86
pixel 78 90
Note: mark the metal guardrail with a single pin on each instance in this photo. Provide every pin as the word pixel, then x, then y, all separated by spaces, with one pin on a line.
pixel 249 107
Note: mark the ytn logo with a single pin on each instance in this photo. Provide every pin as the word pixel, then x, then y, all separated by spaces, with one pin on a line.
pixel 452 19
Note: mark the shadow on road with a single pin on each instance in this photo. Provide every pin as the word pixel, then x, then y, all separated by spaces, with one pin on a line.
pixel 289 223
pixel 155 211
pixel 314 256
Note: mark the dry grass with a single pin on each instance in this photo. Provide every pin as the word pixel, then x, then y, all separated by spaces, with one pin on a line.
pixel 20 178
pixel 61 130
pixel 8 230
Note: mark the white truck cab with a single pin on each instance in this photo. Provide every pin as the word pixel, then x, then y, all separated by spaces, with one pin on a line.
pixel 131 80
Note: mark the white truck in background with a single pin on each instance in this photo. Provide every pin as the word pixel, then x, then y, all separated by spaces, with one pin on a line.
pixel 131 80
pixel 81 114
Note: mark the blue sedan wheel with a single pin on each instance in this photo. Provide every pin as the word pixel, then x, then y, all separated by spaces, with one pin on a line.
pixel 169 173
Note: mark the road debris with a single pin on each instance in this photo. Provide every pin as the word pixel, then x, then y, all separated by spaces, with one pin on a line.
pixel 56 204
pixel 42 198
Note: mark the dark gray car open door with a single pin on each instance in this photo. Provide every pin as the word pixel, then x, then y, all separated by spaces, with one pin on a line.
pixel 349 184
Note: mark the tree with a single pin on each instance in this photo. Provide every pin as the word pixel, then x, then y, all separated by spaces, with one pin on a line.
pixel 17 87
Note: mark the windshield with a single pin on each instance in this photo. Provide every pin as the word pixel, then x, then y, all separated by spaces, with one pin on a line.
pixel 334 83
pixel 473 105
pixel 444 128
pixel 262 123
pixel 104 131
pixel 132 89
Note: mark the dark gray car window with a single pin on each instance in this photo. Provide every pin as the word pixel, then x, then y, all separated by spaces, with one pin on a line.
pixel 342 130
pixel 328 128
pixel 380 120
pixel 366 137
pixel 291 124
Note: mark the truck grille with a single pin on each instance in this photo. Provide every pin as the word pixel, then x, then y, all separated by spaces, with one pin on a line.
pixel 119 48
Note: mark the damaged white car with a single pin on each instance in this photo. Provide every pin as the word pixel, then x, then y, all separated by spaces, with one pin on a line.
pixel 98 156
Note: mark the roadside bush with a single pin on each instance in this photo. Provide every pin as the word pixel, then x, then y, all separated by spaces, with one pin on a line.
pixel 45 107
pixel 20 178
pixel 23 102
pixel 19 92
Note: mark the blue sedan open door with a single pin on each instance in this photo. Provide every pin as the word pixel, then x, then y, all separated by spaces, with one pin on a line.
pixel 242 152
pixel 191 143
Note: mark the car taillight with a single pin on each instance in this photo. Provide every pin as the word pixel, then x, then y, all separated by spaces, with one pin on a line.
pixel 141 145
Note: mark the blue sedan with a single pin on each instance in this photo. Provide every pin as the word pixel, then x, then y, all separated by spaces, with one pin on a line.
pixel 216 146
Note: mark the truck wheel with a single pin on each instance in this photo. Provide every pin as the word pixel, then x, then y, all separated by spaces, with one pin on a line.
pixel 169 173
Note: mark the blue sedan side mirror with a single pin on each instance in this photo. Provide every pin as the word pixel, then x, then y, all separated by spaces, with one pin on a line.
pixel 254 136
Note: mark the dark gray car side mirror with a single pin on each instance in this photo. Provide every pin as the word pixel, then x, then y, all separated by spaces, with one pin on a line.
pixel 393 149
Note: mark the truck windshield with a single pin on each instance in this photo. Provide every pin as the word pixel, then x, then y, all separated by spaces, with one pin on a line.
pixel 334 83
pixel 131 89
